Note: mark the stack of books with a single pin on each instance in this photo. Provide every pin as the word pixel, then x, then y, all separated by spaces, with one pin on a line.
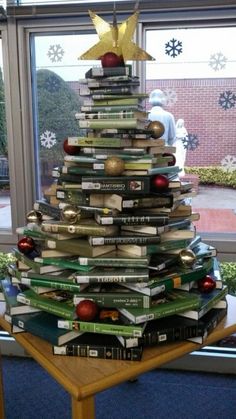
pixel 109 260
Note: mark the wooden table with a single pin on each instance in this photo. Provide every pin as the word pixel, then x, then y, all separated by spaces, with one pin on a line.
pixel 83 378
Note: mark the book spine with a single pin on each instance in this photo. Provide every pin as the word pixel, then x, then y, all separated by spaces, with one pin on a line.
pixel 104 328
pixel 48 209
pixel 106 115
pixel 111 109
pixel 72 197
pixel 115 300
pixel 132 220
pixel 134 185
pixel 108 71
pixel 68 286
pixel 81 229
pixel 205 329
pixel 113 277
pixel 148 202
pixel 103 352
pixel 99 142
pixel 142 240
pixel 126 123
pixel 114 262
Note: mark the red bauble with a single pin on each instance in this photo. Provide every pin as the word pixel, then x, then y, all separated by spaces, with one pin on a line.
pixel 86 310
pixel 173 161
pixel 159 183
pixel 110 59
pixel 206 284
pixel 70 149
pixel 26 245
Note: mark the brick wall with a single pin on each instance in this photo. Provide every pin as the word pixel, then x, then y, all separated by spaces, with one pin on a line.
pixel 197 103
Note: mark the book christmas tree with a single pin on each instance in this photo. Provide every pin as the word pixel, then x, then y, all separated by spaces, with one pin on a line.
pixel 110 252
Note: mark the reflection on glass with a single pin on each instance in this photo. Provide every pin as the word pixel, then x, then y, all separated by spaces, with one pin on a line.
pixel 195 68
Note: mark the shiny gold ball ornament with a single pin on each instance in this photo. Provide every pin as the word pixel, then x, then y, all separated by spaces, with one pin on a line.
pixel 34 217
pixel 114 166
pixel 157 129
pixel 70 214
pixel 187 257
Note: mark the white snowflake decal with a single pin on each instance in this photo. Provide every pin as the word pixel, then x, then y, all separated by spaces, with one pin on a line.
pixel 217 61
pixel 228 163
pixel 173 48
pixel 48 139
pixel 227 100
pixel 55 53
pixel 171 97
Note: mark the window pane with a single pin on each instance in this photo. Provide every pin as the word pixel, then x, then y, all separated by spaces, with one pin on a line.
pixel 5 202
pixel 56 73
pixel 195 68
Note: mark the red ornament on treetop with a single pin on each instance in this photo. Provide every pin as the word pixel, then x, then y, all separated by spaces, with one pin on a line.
pixel 26 245
pixel 110 59
pixel 70 149
pixel 160 183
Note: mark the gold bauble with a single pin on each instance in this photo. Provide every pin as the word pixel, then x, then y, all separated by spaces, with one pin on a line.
pixel 71 214
pixel 114 166
pixel 187 257
pixel 157 129
pixel 34 216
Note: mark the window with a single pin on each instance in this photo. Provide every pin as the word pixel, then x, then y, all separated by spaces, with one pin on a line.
pixel 195 68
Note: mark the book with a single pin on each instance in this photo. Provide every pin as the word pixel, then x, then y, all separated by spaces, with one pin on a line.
pixel 47 209
pixel 99 346
pixel 124 114
pixel 44 325
pixel 154 230
pixel 112 275
pixel 116 123
pixel 213 299
pixel 122 101
pixel 150 249
pixel 99 142
pixel 58 302
pixel 25 262
pixel 10 292
pixel 79 247
pixel 128 239
pixel 124 185
pixel 71 262
pixel 176 329
pixel 111 108
pixel 123 202
pixel 84 228
pixel 126 219
pixel 108 71
pixel 169 303
pixel 114 296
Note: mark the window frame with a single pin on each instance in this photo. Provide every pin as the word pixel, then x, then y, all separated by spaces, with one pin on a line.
pixel 22 23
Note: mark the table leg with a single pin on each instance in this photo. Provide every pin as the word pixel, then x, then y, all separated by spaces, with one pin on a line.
pixel 83 409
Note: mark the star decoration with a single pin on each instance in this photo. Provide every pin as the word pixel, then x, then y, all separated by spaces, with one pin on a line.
pixel 116 38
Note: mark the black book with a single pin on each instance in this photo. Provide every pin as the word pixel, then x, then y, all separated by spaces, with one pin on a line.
pixel 95 345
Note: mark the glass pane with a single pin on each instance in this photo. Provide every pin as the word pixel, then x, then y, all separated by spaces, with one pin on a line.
pixel 56 72
pixel 5 202
pixel 195 68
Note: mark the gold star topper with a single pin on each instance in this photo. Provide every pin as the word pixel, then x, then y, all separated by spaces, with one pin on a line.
pixel 116 38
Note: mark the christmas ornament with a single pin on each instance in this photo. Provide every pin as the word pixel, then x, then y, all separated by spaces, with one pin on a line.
pixel 71 214
pixel 206 284
pixel 110 59
pixel 157 129
pixel 116 38
pixel 159 183
pixel 173 161
pixel 26 245
pixel 114 166
pixel 86 310
pixel 187 257
pixel 34 217
pixel 72 150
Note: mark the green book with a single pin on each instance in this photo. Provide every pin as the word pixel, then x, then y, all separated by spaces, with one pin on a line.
pixel 99 142
pixel 80 247
pixel 171 278
pixel 125 185
pixel 172 302
pixel 44 325
pixel 154 248
pixel 10 292
pixel 128 123
pixel 213 299
pixel 112 275
pixel 116 258
pixel 113 295
pixel 58 302
pixel 24 262
pixel 119 326
pixel 85 228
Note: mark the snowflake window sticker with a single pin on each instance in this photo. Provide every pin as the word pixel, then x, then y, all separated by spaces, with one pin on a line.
pixel 52 84
pixel 173 48
pixel 171 97
pixel 228 163
pixel 227 100
pixel 217 61
pixel 48 139
pixel 191 142
pixel 55 53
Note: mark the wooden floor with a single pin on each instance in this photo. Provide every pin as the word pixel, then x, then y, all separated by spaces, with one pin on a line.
pixel 216 220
